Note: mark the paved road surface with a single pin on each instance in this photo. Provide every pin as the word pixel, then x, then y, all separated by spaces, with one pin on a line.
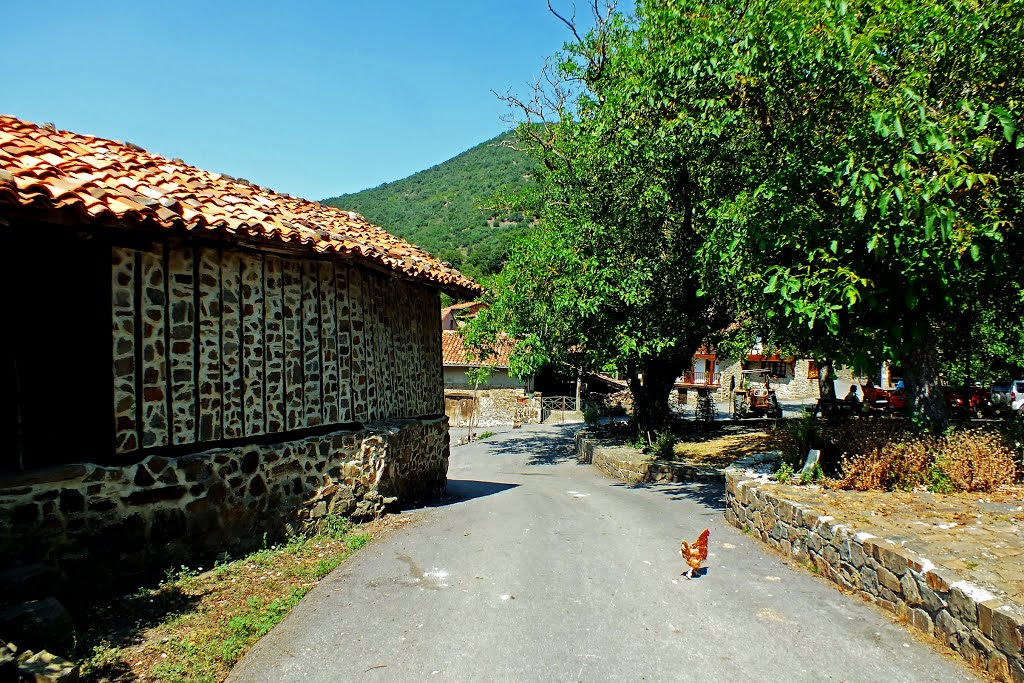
pixel 536 568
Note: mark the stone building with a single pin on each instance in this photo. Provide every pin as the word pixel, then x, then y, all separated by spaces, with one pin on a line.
pixel 504 400
pixel 192 361
pixel 794 379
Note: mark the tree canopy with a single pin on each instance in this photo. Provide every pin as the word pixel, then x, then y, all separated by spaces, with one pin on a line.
pixel 845 173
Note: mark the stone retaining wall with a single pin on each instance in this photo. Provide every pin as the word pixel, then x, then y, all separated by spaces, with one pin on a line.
pixel 619 461
pixel 987 632
pixel 97 523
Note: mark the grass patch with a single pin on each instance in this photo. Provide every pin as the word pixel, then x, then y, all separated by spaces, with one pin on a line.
pixel 485 435
pixel 195 624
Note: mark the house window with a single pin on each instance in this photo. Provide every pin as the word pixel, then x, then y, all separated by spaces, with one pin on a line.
pixel 812 370
pixel 774 368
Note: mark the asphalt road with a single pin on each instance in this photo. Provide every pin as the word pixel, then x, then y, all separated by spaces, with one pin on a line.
pixel 535 568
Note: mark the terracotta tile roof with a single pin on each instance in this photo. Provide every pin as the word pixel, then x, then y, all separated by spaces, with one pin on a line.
pixel 71 178
pixel 453 352
pixel 463 306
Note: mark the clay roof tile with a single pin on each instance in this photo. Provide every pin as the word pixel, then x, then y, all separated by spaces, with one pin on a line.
pixel 96 178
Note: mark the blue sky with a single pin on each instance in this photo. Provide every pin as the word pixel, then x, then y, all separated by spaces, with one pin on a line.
pixel 310 98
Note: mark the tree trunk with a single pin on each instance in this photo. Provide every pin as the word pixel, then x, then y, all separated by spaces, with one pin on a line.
pixel 826 380
pixel 924 393
pixel 651 383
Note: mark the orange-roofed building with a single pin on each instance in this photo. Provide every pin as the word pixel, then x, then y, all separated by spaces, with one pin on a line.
pixel 192 360
pixel 454 317
pixel 503 400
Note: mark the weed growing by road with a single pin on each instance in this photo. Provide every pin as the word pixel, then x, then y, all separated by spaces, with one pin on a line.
pixel 812 475
pixel 486 435
pixel 195 624
pixel 664 445
pixel 784 473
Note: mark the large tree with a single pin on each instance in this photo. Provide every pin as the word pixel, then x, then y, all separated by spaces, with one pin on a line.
pixel 878 160
pixel 611 272
pixel 845 170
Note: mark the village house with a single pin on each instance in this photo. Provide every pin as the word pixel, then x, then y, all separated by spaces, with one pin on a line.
pixel 794 379
pixel 194 363
pixel 503 400
pixel 454 317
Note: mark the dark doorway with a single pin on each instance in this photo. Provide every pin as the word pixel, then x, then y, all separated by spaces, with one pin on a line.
pixel 55 382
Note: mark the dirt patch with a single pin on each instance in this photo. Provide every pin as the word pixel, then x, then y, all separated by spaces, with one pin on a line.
pixel 720 445
pixel 980 536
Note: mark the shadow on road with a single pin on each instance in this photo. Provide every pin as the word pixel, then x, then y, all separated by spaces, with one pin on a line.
pixel 549 447
pixel 708 492
pixel 461 490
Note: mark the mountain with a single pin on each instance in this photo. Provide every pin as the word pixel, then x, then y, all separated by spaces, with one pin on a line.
pixel 437 209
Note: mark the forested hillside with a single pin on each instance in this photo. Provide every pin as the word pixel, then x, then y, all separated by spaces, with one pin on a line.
pixel 438 209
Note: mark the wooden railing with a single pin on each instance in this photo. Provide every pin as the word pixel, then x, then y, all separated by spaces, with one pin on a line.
pixel 701 379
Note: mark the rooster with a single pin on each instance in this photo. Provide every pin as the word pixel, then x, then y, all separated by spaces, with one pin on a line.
pixel 695 555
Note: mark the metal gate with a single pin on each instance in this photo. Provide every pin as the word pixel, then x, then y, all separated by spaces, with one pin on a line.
pixel 557 404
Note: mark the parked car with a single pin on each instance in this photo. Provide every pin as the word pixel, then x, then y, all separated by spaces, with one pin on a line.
pixel 977 404
pixel 1008 395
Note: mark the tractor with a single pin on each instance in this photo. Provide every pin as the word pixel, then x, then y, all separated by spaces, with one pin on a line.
pixel 754 397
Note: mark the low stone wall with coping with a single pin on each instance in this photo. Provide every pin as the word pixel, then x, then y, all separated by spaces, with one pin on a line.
pixel 93 523
pixel 616 459
pixel 987 632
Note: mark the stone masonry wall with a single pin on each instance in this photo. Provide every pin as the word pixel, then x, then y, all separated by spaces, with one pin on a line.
pixel 987 632
pixel 212 343
pixel 96 523
pixel 494 407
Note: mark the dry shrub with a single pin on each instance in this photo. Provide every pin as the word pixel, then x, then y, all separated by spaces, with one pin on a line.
pixel 976 461
pixel 880 459
pixel 898 463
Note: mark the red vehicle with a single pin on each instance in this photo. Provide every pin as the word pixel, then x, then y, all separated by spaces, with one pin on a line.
pixel 873 394
pixel 976 405
pixel 976 402
pixel 755 396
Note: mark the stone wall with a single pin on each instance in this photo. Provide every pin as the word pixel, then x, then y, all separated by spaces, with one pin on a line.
pixel 618 460
pixel 494 407
pixel 213 343
pixel 98 523
pixel 987 632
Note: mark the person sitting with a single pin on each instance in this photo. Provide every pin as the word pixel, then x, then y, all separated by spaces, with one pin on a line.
pixel 851 395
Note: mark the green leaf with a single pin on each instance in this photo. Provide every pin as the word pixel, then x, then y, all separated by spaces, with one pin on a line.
pixel 1007 122
pixel 860 210
pixel 883 203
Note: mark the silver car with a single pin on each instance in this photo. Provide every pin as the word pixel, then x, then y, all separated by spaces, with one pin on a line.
pixel 1008 394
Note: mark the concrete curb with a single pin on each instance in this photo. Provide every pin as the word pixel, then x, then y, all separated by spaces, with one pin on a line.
pixel 987 632
pixel 589 451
